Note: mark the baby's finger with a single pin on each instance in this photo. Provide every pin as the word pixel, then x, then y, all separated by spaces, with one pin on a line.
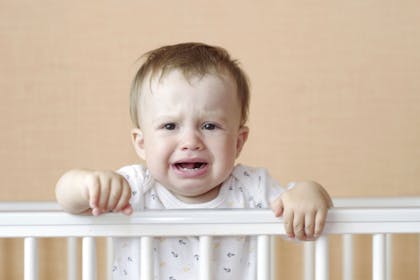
pixel 128 210
pixel 320 219
pixel 104 195
pixel 96 212
pixel 124 198
pixel 277 207
pixel 309 226
pixel 288 223
pixel 298 226
pixel 115 194
pixel 93 190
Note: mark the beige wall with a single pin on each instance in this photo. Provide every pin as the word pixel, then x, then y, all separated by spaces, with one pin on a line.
pixel 335 91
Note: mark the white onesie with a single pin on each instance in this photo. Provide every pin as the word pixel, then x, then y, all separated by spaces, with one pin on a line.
pixel 177 258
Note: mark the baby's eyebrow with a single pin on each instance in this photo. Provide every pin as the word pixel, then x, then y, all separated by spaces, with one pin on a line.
pixel 164 118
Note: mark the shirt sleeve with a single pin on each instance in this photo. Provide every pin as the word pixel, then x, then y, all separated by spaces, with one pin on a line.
pixel 137 177
pixel 262 188
pixel 272 188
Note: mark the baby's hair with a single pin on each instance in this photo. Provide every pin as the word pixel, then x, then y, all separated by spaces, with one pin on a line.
pixel 192 59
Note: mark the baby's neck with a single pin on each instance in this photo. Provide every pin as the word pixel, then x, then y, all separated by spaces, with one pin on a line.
pixel 203 198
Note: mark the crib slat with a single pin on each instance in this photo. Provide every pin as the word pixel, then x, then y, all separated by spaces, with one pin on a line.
pixel 273 256
pixel 109 257
pixel 89 258
pixel 308 260
pixel 30 258
pixel 347 257
pixel 146 257
pixel 322 259
pixel 205 258
pixel 378 254
pixel 72 269
pixel 263 257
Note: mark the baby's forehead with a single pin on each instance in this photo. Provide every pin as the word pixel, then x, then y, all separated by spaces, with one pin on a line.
pixel 157 85
pixel 153 82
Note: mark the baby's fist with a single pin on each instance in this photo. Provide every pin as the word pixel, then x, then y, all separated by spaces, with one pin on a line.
pixel 107 191
pixel 304 208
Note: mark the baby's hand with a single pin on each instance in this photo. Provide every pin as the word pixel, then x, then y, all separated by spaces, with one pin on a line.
pixel 304 208
pixel 107 191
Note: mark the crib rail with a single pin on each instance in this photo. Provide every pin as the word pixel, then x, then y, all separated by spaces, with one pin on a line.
pixel 201 222
pixel 36 220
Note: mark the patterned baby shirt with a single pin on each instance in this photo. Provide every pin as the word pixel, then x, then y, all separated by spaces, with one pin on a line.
pixel 177 258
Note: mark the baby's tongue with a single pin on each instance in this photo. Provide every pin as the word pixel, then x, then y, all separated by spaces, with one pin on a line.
pixel 187 165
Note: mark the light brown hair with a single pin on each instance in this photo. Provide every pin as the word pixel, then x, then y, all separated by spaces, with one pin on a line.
pixel 192 59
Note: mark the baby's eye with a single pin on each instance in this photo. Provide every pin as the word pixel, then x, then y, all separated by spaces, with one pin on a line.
pixel 169 126
pixel 209 126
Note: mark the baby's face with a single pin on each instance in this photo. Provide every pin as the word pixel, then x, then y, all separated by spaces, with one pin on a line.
pixel 190 133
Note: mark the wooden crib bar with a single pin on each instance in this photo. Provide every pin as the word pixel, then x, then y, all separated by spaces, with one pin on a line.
pixel 89 258
pixel 201 222
pixel 205 257
pixel 31 258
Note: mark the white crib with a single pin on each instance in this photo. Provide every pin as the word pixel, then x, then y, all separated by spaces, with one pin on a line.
pixel 379 217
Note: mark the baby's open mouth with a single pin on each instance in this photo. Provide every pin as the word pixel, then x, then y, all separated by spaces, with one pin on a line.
pixel 190 165
pixel 191 169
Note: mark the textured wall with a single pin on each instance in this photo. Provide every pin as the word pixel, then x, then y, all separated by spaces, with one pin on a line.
pixel 335 91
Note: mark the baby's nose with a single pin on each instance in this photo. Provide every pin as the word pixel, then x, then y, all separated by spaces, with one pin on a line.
pixel 191 140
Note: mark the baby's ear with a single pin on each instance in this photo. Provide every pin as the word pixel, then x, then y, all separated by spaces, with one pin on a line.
pixel 242 137
pixel 138 142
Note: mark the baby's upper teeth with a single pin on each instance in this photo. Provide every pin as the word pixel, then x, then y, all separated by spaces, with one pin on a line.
pixel 192 165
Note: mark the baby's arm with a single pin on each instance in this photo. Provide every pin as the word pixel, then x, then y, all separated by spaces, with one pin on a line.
pixel 79 191
pixel 304 208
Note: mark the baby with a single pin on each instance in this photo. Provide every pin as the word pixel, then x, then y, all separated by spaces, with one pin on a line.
pixel 189 106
